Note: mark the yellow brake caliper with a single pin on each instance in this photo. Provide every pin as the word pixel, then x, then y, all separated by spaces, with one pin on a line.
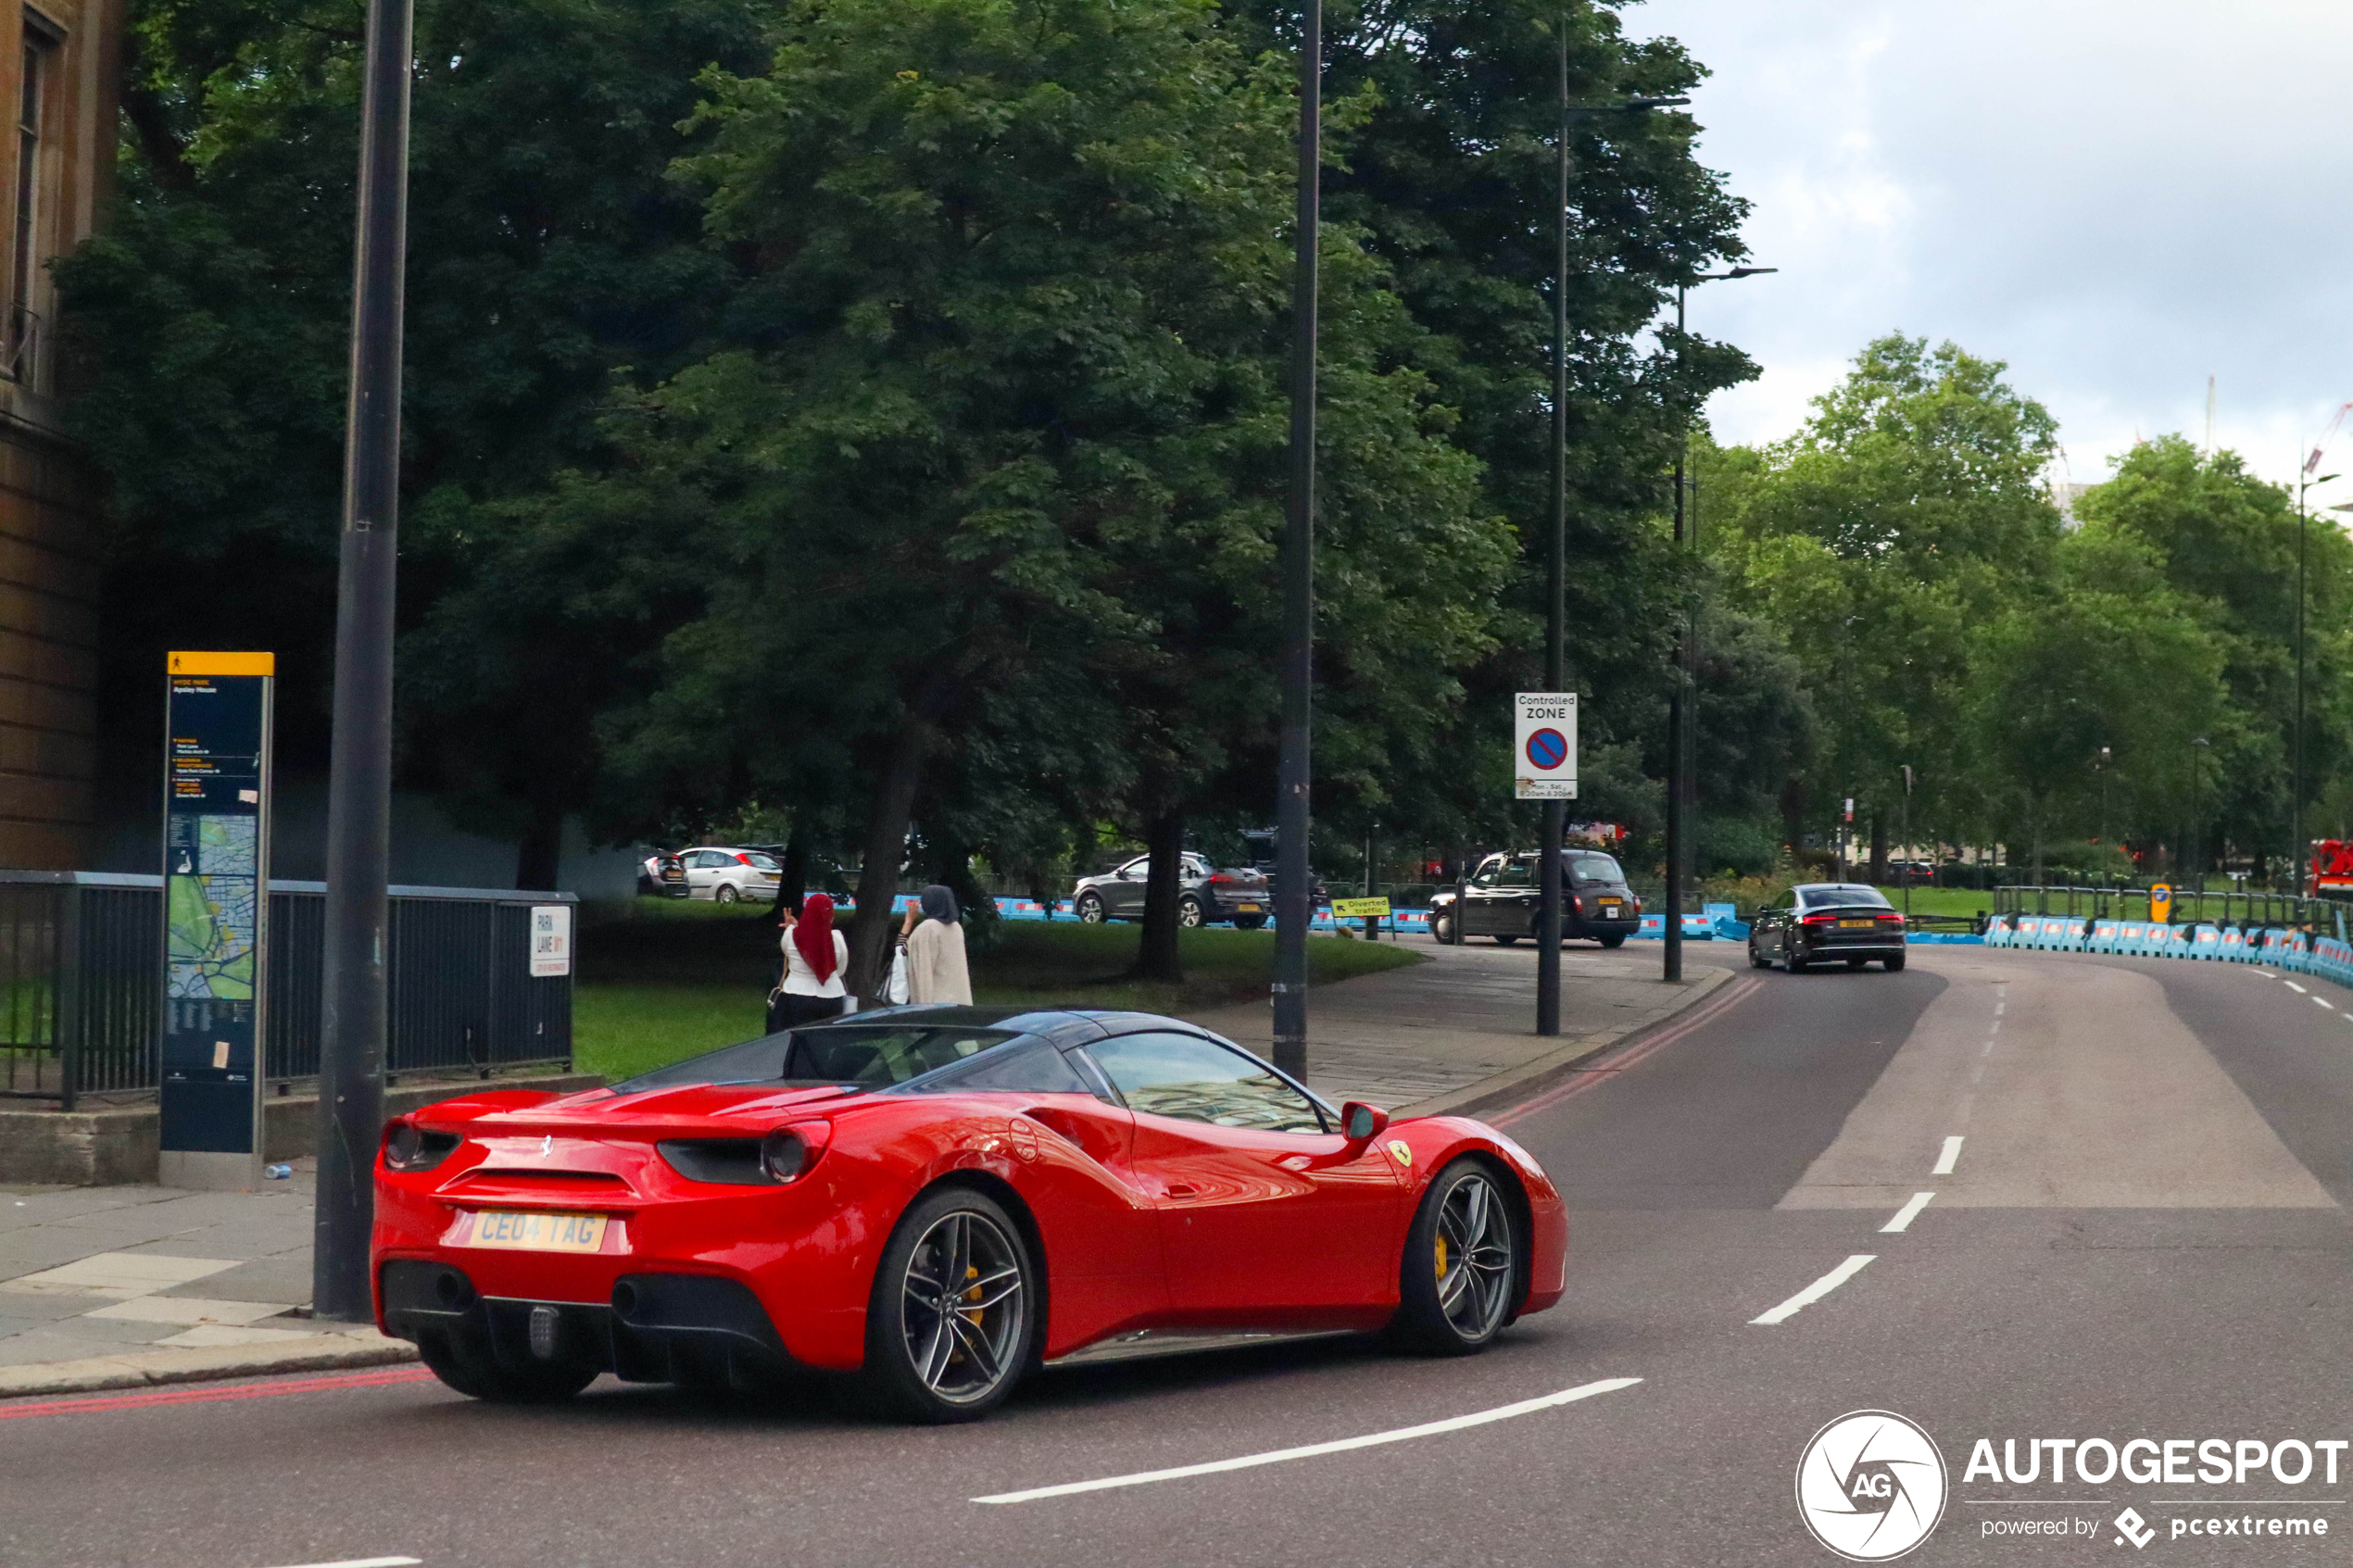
pixel 1442 1257
pixel 972 1314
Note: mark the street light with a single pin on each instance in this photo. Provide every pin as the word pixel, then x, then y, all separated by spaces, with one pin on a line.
pixel 1294 888
pixel 2303 481
pixel 2197 809
pixel 1682 709
pixel 353 1003
pixel 1548 920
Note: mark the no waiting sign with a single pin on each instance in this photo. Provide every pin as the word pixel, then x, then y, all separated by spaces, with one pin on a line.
pixel 1544 746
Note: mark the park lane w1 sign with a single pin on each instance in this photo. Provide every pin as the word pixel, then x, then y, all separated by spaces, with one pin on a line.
pixel 1544 746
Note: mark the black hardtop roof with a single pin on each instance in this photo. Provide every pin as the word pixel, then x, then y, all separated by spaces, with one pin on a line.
pixel 1064 1026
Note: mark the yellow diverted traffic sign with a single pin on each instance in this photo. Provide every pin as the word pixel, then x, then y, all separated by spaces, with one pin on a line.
pixel 1359 909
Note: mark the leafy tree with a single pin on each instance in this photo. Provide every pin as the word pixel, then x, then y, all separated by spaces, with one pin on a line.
pixel 1909 511
pixel 548 250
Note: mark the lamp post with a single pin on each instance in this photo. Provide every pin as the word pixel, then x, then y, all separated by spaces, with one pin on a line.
pixel 1682 703
pixel 1907 843
pixel 2197 808
pixel 351 1057
pixel 1555 818
pixel 1294 887
pixel 2303 481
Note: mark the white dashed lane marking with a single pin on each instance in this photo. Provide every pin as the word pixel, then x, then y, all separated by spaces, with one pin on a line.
pixel 1906 1215
pixel 1948 1159
pixel 2293 987
pixel 1315 1450
pixel 1817 1291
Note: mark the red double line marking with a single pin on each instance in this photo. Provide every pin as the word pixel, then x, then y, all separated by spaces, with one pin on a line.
pixel 205 1393
pixel 1584 1078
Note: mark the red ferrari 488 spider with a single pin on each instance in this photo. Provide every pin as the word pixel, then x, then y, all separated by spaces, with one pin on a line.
pixel 937 1199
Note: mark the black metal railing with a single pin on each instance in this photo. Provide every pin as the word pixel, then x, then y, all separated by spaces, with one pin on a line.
pixel 2191 905
pixel 81 983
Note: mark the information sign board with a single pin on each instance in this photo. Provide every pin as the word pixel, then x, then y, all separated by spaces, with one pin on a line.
pixel 215 904
pixel 1359 909
pixel 1544 746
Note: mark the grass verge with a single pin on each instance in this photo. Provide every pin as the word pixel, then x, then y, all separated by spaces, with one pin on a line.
pixel 654 991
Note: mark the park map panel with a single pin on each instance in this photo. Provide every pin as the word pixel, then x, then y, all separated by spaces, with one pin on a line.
pixel 215 916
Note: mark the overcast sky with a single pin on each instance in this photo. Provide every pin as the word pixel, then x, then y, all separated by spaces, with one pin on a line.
pixel 2120 199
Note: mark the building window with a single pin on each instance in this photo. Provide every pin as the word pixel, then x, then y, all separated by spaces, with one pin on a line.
pixel 42 48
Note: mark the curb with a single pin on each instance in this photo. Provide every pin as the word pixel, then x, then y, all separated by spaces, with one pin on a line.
pixel 147 1369
pixel 1532 1077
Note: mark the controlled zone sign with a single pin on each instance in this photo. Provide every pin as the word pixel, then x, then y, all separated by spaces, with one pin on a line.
pixel 1544 746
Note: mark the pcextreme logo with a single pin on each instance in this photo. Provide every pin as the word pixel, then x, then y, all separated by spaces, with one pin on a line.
pixel 1870 1486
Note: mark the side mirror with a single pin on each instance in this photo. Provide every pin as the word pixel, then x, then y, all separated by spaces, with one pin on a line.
pixel 1363 1122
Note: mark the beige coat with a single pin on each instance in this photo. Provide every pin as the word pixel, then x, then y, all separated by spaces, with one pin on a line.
pixel 935 970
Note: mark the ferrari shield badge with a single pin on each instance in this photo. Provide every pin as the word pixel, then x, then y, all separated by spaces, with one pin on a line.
pixel 1402 1152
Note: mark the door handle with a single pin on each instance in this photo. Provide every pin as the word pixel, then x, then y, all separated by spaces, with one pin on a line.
pixel 1183 1189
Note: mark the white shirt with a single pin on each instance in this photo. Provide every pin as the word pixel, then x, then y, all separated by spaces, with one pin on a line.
pixel 801 981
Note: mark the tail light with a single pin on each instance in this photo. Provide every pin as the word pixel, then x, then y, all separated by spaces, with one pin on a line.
pixel 778 1159
pixel 1895 920
pixel 1819 920
pixel 410 1148
pixel 789 1152
pixel 1219 879
pixel 1578 904
pixel 743 859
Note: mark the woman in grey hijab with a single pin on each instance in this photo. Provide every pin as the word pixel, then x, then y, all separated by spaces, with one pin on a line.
pixel 934 941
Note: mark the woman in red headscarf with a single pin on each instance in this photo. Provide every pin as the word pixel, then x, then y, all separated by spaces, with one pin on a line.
pixel 815 955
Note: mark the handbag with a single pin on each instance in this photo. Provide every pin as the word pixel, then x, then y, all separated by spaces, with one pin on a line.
pixel 895 991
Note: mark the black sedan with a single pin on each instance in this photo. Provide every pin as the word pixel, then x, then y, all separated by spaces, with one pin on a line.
pixel 1504 897
pixel 1819 922
pixel 1207 895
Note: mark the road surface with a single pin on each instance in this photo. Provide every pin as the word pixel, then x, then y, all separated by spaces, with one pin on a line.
pixel 2138 1234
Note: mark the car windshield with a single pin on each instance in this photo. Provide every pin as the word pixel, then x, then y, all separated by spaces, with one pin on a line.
pixel 874 1055
pixel 1587 866
pixel 1844 894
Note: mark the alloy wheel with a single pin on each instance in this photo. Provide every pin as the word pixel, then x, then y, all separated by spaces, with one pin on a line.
pixel 962 1308
pixel 1474 1258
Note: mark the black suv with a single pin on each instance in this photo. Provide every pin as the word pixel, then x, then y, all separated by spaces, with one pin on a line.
pixel 1502 897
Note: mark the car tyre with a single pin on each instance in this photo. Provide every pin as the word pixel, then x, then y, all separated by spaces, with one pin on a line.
pixel 1462 1279
pixel 1857 963
pixel 1189 913
pixel 1757 959
pixel 1441 931
pixel 1248 922
pixel 472 1371
pixel 1894 962
pixel 1615 939
pixel 725 892
pixel 1091 909
pixel 933 1362
pixel 1505 938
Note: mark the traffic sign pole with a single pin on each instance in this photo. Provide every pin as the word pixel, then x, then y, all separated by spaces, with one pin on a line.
pixel 1544 768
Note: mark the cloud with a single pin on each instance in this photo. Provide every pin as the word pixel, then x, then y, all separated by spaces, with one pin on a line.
pixel 2118 199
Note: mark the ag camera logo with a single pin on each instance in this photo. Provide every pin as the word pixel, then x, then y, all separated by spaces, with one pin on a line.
pixel 1871 1485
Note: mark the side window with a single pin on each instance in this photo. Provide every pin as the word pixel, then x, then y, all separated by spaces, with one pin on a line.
pixel 1032 1067
pixel 1134 868
pixel 1486 877
pixel 1196 1080
pixel 1520 873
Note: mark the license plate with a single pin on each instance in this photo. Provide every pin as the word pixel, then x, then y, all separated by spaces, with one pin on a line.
pixel 1609 907
pixel 1856 924
pixel 524 1231
pixel 1247 908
